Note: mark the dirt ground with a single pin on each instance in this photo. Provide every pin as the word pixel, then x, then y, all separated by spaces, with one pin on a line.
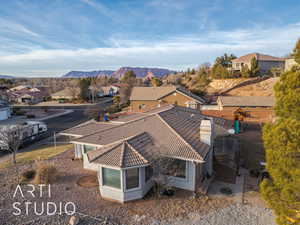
pixel 89 201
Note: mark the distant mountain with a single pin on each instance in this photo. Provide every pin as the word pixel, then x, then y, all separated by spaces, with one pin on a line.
pixel 142 72
pixel 81 74
pixel 6 77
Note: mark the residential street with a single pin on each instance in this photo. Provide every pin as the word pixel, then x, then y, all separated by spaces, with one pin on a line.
pixel 58 124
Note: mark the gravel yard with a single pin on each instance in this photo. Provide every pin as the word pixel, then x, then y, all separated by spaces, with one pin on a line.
pixel 92 209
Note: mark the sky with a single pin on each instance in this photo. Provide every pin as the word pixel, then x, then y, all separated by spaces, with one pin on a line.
pixel 43 38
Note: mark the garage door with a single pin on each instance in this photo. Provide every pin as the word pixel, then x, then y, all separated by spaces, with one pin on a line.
pixel 3 115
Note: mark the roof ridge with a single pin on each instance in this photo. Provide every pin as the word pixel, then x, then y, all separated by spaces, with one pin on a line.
pixel 175 132
pixel 123 124
pixel 122 153
pixel 107 151
pixel 137 152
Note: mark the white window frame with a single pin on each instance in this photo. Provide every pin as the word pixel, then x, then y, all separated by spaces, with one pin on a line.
pixel 124 180
pixel 109 187
pixel 191 103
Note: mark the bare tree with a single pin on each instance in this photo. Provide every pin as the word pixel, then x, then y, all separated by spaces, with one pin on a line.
pixel 74 88
pixel 165 169
pixel 11 140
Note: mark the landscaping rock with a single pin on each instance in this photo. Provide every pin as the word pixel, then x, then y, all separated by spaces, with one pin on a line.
pixel 74 220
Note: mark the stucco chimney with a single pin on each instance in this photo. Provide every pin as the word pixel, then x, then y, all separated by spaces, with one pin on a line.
pixel 205 131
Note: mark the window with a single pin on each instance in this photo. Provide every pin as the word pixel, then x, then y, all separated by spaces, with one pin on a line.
pixel 175 167
pixel 148 173
pixel 111 177
pixel 142 106
pixel 88 148
pixel 192 105
pixel 132 178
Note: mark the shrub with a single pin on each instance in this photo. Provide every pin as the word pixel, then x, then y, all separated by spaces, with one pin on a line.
pixel 46 173
pixel 20 113
pixel 113 109
pixel 28 175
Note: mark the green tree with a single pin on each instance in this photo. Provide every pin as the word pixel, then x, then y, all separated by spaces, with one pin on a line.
pixel 254 70
pixel 225 60
pixel 287 93
pixel 219 72
pixel 156 82
pixel 296 52
pixel 282 144
pixel 84 88
pixel 282 192
pixel 201 81
pixel 245 72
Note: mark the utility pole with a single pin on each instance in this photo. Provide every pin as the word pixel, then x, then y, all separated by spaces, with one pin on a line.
pixel 54 140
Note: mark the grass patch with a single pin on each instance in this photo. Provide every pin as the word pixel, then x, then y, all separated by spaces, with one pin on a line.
pixel 42 153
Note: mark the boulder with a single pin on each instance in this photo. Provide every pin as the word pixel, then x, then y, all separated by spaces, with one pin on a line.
pixel 74 220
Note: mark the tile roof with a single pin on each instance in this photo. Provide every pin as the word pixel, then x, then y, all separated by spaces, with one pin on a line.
pixel 263 101
pixel 156 93
pixel 124 154
pixel 173 132
pixel 151 93
pixel 88 128
pixel 258 56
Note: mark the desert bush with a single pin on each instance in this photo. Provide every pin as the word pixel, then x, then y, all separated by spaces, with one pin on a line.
pixel 113 109
pixel 28 175
pixel 45 173
pixel 19 113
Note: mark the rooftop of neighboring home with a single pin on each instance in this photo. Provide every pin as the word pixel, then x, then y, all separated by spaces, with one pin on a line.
pixel 258 56
pixel 28 91
pixel 157 93
pixel 256 101
pixel 170 131
pixel 66 92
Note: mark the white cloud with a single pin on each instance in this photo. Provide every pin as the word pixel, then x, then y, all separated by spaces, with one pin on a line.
pixel 98 6
pixel 10 27
pixel 176 53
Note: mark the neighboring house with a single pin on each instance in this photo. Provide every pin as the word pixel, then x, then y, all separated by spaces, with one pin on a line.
pixel 265 62
pixel 66 94
pixel 26 94
pixel 29 97
pixel 110 90
pixel 146 98
pixel 289 63
pixel 233 102
pixel 124 152
pixel 5 111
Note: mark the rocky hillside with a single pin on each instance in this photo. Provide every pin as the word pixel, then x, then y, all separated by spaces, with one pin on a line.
pixel 142 72
pixel 81 74
pixel 243 87
pixel 139 71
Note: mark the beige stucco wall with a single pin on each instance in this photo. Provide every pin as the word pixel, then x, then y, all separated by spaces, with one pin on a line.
pixel 289 63
pixel 174 98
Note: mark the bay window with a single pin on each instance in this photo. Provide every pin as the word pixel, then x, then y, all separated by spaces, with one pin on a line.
pixel 111 177
pixel 132 178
